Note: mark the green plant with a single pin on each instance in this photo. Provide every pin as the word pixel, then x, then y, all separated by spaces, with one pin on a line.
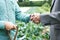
pixel 31 31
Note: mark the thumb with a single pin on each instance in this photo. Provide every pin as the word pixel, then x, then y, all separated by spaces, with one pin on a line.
pixel 14 27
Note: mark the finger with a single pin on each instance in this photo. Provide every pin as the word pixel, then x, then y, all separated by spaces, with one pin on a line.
pixel 13 27
pixel 31 17
pixel 36 21
pixel 8 29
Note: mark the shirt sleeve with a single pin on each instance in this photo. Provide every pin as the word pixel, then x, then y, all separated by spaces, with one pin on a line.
pixel 50 19
pixel 21 16
pixel 2 25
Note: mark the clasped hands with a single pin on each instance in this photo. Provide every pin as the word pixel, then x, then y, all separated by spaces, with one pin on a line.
pixel 35 18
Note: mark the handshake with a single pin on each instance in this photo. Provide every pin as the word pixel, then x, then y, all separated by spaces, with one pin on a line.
pixel 35 18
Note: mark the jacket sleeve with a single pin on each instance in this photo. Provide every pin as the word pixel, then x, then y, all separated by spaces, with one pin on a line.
pixel 2 25
pixel 51 19
pixel 21 16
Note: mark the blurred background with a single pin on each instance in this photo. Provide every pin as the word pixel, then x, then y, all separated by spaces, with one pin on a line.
pixel 32 31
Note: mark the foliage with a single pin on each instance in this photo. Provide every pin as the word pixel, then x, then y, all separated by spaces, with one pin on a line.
pixel 31 31
pixel 31 3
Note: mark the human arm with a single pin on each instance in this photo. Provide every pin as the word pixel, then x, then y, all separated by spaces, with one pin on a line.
pixel 21 16
pixel 47 19
pixel 7 25
pixel 50 19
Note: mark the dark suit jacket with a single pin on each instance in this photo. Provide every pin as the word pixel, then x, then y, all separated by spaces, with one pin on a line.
pixel 53 19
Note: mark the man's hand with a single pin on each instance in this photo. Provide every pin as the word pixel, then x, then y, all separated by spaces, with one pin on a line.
pixel 35 18
pixel 10 26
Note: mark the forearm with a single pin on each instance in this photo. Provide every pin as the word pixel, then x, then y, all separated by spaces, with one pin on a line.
pixel 23 17
pixel 19 15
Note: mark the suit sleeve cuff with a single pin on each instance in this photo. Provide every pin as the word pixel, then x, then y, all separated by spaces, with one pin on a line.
pixel 45 20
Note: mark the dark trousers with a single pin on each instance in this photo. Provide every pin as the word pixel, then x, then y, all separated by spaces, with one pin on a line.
pixel 55 32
